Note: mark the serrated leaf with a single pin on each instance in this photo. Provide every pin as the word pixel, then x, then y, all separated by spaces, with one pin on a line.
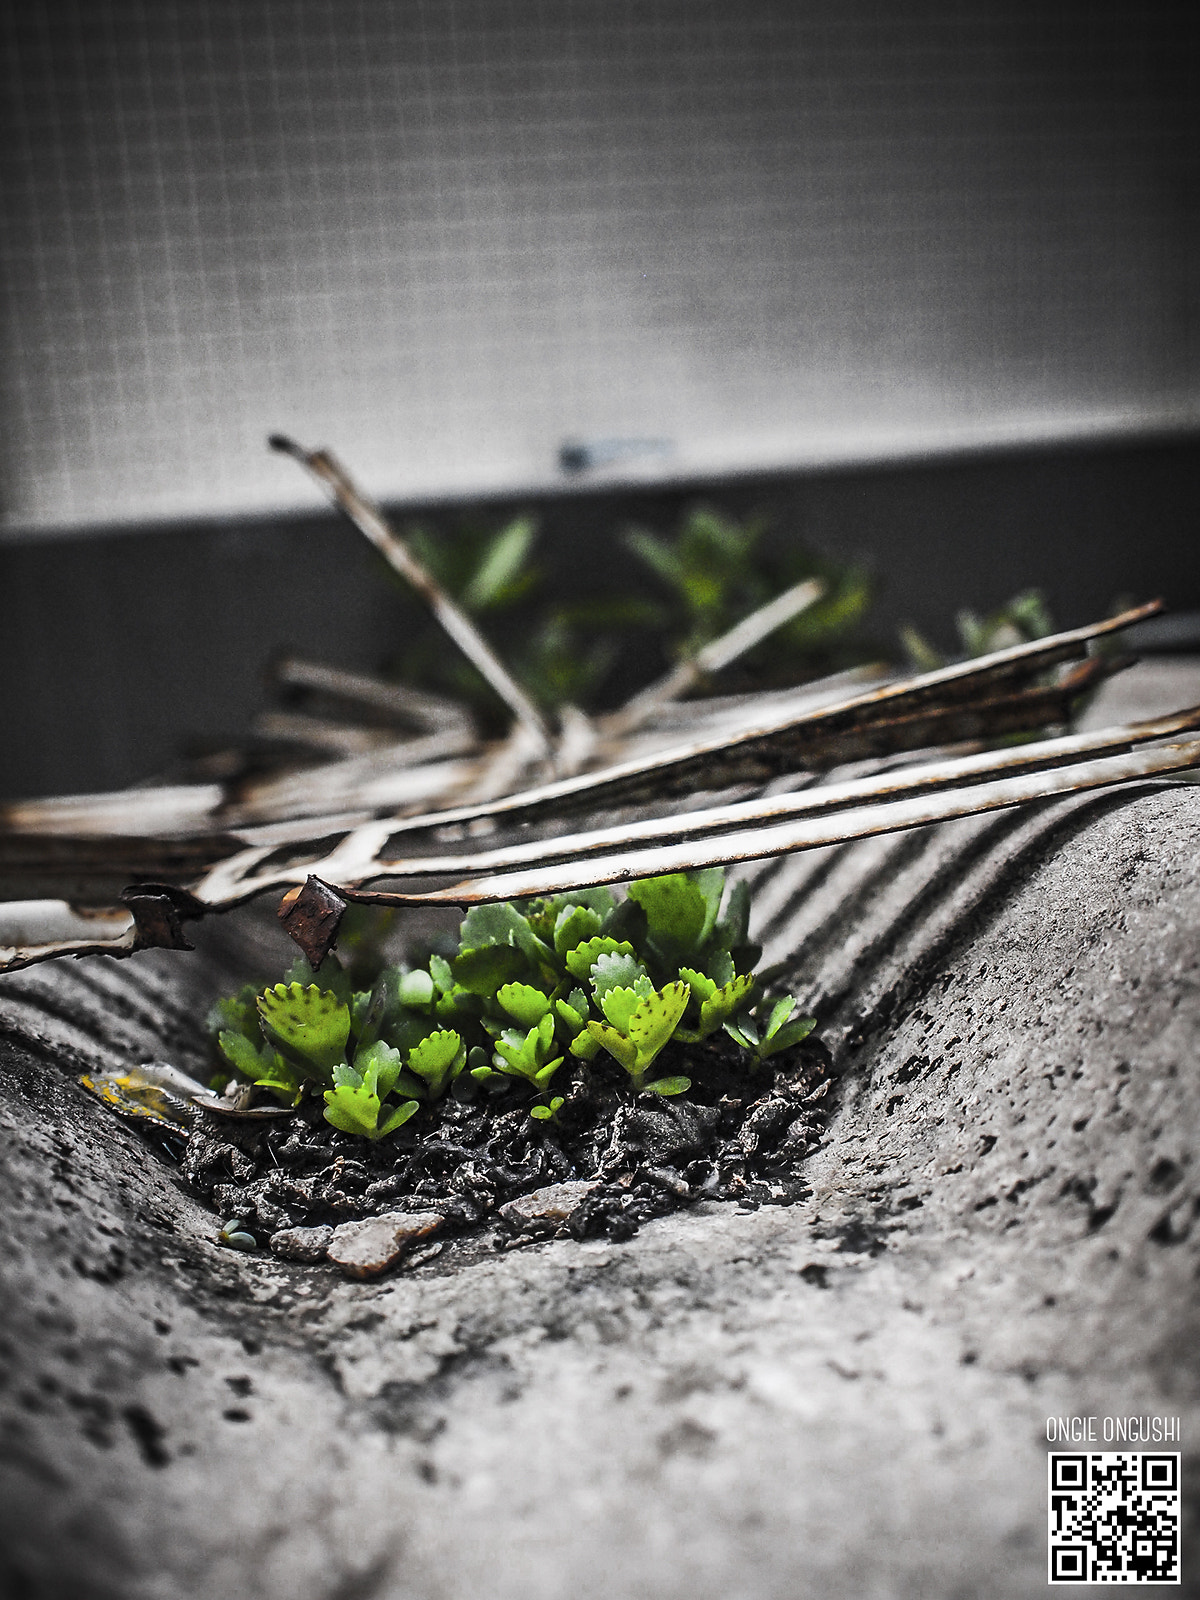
pixel 573 926
pixel 619 1005
pixel 484 970
pixel 619 972
pixel 655 1019
pixel 440 972
pixel 352 1110
pixel 720 966
pixel 581 960
pixel 667 1086
pixel 346 1076
pixel 524 1003
pixel 701 985
pixel 312 1022
pixel 487 926
pixel 438 1060
pixel 725 1002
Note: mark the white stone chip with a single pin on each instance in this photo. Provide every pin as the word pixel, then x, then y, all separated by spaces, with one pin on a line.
pixel 363 1249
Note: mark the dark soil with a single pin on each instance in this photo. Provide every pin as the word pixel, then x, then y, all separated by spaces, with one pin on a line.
pixel 736 1135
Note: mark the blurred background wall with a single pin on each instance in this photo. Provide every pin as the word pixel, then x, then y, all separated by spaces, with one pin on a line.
pixel 918 280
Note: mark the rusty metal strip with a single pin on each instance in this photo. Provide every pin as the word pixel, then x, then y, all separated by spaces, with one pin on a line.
pixel 807 833
pixel 358 857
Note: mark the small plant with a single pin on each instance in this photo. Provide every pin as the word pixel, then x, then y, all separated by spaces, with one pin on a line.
pixel 531 988
pixel 1023 618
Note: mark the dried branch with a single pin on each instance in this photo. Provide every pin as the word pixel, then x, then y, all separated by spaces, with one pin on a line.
pixel 719 653
pixel 369 520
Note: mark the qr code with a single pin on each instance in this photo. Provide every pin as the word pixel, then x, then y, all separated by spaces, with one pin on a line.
pixel 1114 1518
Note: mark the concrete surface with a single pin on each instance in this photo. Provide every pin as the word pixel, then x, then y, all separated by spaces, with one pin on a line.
pixel 843 1398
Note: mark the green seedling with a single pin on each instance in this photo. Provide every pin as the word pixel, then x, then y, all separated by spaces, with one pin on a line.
pixel 547 1113
pixel 355 1103
pixel 769 1036
pixel 568 975
pixel 637 1028
pixel 524 1054
pixel 718 1003
pixel 437 1061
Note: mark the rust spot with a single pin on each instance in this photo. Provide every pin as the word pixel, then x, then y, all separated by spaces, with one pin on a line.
pixel 159 910
pixel 312 916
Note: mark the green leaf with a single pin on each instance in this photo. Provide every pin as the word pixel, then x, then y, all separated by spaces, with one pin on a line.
pixel 236 1013
pixel 617 1045
pixel 574 925
pixel 544 1074
pixel 743 1031
pixel 415 989
pixel 502 562
pixel 619 1005
pixel 439 971
pixel 584 1045
pixel 780 1012
pixel 573 1011
pixel 791 1033
pixel 733 928
pixel 654 1021
pixel 702 986
pixel 356 1111
pixel 329 975
pixel 524 1003
pixel 681 910
pixel 312 1022
pixel 384 1062
pixel 242 1055
pixel 484 970
pixel 542 1113
pixel 352 1110
pixel 398 1118
pixel 619 972
pixel 727 1000
pixel 438 1060
pixel 584 956
pixel 667 1086
pixel 486 926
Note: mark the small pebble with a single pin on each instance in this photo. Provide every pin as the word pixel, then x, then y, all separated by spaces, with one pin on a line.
pixel 363 1249
pixel 301 1244
pixel 553 1204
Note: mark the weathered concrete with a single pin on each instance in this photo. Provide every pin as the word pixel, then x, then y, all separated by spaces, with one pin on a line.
pixel 843 1398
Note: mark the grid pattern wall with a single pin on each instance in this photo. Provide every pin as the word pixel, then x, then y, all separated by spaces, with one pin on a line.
pixel 444 236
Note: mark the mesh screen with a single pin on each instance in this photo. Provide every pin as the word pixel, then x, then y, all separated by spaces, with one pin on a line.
pixel 691 238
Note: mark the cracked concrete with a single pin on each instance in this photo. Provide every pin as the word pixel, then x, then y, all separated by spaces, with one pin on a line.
pixel 842 1398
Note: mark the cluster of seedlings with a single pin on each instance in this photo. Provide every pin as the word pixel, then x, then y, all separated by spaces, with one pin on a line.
pixel 625 1042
